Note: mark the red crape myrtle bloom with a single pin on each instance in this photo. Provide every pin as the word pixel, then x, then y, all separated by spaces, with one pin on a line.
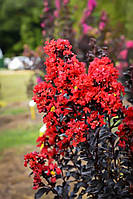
pixel 126 129
pixel 74 104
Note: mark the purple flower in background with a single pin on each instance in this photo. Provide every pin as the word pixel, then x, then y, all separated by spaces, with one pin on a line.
pixel 43 32
pixel 66 2
pixel 45 6
pixel 38 80
pixel 101 25
pixel 88 11
pixel 46 9
pixel 129 44
pixel 86 28
pixel 45 3
pixel 56 13
pixel 51 18
pixel 91 4
pixel 104 16
pixel 123 54
pixel 58 7
pixel 58 4
pixel 103 20
pixel 42 25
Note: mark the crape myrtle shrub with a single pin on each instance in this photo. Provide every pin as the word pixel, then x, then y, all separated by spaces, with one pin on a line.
pixel 87 147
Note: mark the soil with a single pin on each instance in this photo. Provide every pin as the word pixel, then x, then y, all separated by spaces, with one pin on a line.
pixel 12 121
pixel 14 180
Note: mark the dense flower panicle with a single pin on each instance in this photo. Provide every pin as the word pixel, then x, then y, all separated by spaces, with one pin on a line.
pixel 102 70
pixel 41 167
pixel 107 89
pixel 74 103
pixel 100 86
pixel 126 129
pixel 62 64
pixel 76 131
pixel 44 96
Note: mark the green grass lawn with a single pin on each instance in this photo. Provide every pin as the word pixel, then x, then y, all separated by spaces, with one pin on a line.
pixel 19 137
pixel 13 85
pixel 14 111
pixel 25 132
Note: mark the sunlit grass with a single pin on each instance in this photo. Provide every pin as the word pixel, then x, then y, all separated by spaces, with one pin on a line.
pixel 19 137
pixel 14 111
pixel 13 85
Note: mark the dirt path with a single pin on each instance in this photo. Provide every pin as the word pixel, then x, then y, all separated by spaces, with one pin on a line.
pixel 12 121
pixel 14 180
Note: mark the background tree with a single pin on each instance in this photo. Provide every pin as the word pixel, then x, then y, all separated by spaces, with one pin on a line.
pixel 20 24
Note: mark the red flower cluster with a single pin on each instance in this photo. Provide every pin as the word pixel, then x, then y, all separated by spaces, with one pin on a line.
pixel 107 89
pixel 126 129
pixel 74 103
pixel 41 167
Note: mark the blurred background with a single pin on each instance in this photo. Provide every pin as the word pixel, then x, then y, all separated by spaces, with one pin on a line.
pixel 24 27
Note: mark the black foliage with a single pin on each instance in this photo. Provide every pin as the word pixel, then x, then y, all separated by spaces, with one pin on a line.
pixel 90 49
pixel 41 191
pixel 97 169
pixel 127 80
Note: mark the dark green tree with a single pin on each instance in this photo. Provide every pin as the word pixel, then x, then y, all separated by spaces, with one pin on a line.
pixel 20 24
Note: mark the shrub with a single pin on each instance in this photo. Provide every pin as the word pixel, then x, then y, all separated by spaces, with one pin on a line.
pixel 86 149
